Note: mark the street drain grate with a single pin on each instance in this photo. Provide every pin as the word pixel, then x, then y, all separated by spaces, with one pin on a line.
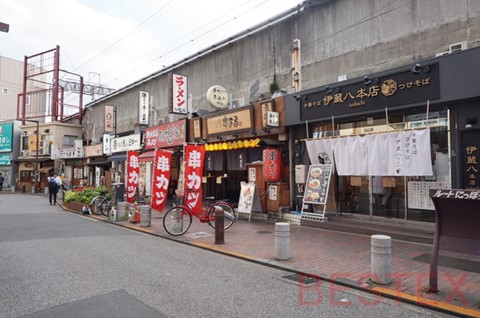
pixel 301 279
pixel 452 262
pixel 264 232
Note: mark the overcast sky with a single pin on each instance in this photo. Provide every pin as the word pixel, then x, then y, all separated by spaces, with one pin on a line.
pixel 125 40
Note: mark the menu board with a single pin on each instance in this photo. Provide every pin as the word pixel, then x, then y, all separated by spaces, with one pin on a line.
pixel 418 194
pixel 318 182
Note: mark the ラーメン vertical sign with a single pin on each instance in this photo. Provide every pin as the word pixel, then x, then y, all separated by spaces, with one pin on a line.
pixel 178 94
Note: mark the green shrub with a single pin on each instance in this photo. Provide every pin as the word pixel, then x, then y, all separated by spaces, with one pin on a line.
pixel 86 195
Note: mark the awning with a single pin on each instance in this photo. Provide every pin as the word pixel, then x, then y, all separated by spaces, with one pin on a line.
pixel 121 156
pixel 30 160
pixel 99 163
pixel 45 169
pixel 147 156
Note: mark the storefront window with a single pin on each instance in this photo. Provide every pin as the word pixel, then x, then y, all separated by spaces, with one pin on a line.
pixel 398 197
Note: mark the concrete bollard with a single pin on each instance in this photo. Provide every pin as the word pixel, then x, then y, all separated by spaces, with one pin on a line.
pixel 381 259
pixel 121 210
pixel 145 216
pixel 13 189
pixel 282 241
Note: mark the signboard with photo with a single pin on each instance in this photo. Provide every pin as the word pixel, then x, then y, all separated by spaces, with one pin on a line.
pixel 318 182
pixel 249 199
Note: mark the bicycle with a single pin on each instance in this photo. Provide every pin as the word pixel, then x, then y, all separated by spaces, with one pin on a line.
pixel 178 219
pixel 100 205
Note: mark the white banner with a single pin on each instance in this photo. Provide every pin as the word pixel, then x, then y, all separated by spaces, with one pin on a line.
pixel 409 154
pixel 320 150
pixel 377 164
pixel 404 153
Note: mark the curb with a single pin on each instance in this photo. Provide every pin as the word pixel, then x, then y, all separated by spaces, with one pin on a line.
pixel 376 290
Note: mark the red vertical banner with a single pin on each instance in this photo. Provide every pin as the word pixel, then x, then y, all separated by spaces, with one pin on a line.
pixel 133 171
pixel 194 158
pixel 161 178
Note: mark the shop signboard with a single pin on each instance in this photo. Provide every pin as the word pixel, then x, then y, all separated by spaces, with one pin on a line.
pixel 232 121
pixel 470 157
pixel 6 133
pixel 402 88
pixel 131 142
pixel 143 108
pixel 4 159
pixel 178 94
pixel 166 135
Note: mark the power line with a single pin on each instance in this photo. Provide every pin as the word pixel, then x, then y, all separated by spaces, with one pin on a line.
pixel 126 35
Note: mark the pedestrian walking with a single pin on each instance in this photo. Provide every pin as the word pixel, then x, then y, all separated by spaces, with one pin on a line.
pixel 1 182
pixel 54 183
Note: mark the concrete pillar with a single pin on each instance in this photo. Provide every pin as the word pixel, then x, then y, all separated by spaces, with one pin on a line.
pixel 381 259
pixel 282 241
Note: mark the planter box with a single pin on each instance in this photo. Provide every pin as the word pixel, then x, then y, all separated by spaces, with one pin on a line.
pixel 74 206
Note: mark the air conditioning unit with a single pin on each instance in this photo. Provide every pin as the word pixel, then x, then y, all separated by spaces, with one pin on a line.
pixel 453 48
pixel 25 153
pixel 238 102
pixel 457 47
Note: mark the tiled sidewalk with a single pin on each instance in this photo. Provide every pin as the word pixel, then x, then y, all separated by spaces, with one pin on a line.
pixel 343 258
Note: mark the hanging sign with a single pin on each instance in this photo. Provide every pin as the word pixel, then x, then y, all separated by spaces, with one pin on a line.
pixel 161 178
pixel 194 157
pixel 133 170
pixel 318 182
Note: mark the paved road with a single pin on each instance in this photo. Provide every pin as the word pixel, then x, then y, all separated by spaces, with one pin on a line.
pixel 60 264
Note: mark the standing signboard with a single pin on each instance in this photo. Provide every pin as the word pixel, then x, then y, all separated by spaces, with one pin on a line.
pixel 316 189
pixel 249 199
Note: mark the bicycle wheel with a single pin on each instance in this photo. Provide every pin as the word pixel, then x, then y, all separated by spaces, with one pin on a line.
pixel 228 214
pixel 177 221
pixel 105 207
pixel 96 205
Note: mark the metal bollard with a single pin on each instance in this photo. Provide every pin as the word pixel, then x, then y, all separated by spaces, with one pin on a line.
pixel 219 224
pixel 381 259
pixel 282 241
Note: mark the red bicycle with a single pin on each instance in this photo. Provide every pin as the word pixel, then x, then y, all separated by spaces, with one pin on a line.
pixel 178 219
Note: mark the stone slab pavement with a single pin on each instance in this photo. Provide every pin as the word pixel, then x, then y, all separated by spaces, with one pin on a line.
pixel 340 258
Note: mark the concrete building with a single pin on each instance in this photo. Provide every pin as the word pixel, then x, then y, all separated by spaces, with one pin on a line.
pixel 338 44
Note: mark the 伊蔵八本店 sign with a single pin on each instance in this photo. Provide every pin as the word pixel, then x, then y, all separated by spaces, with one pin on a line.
pixel 401 88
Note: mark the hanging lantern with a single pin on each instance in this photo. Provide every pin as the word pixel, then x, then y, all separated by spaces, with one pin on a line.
pixel 271 164
pixel 224 146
